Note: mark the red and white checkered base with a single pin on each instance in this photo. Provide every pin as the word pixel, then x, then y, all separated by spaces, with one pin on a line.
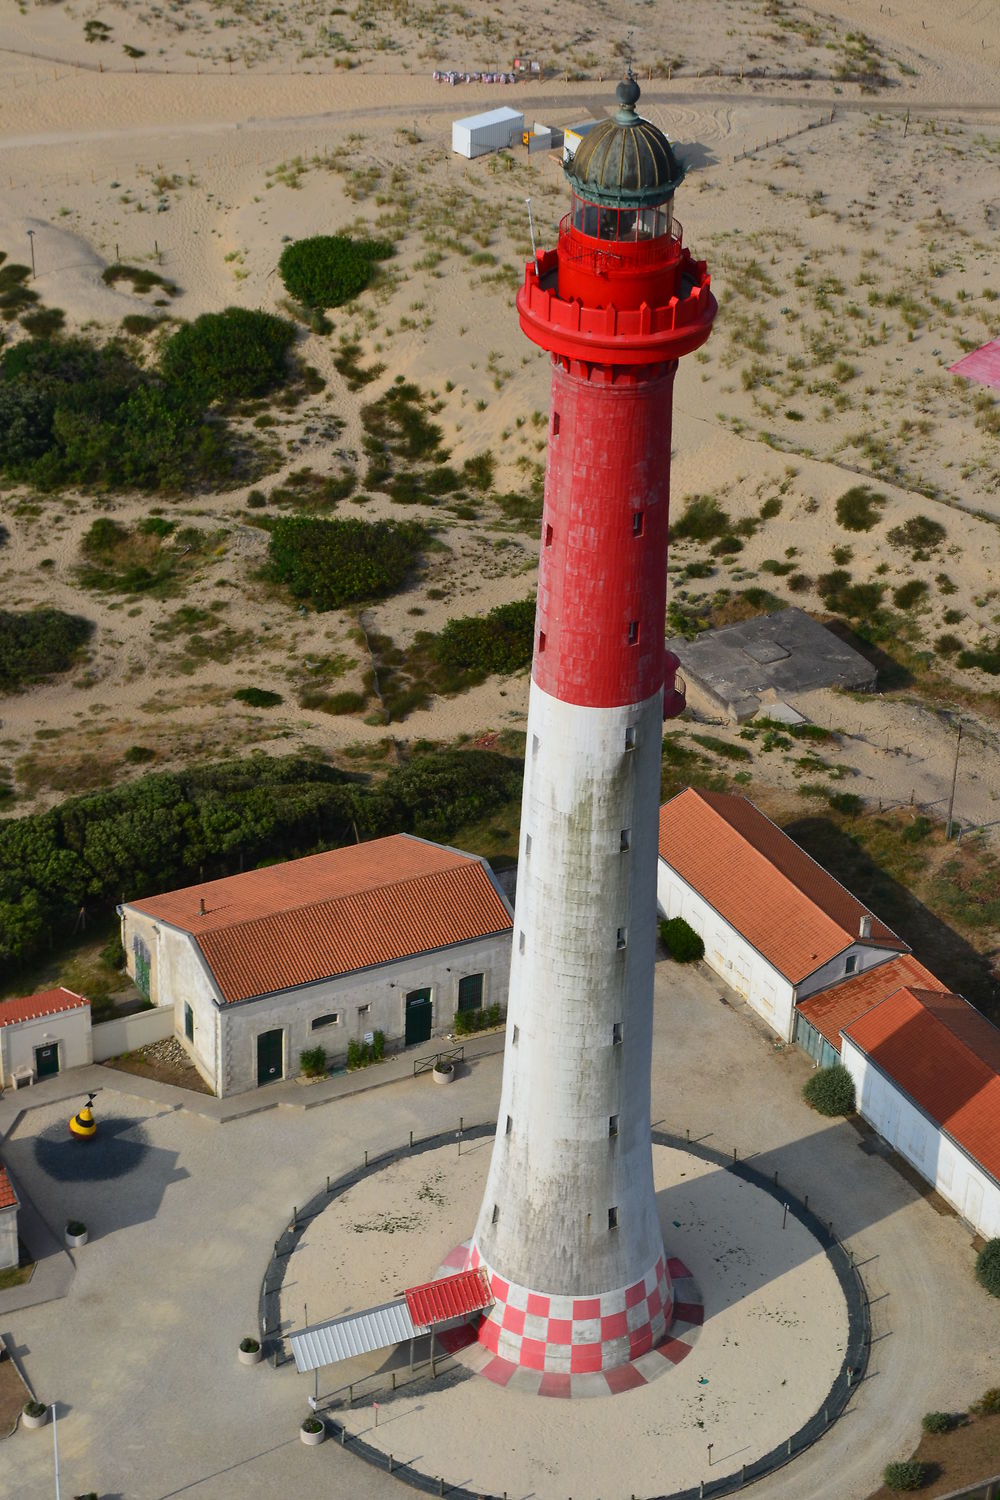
pixel 579 1346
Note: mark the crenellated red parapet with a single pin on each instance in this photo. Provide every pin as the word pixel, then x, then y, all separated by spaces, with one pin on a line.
pixel 644 335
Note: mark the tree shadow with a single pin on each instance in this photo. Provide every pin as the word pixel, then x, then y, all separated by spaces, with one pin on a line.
pixel 945 952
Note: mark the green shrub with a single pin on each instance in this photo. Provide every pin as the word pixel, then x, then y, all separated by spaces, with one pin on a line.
pixel 779 569
pixel 799 583
pixel 139 755
pixel 469 1021
pixel 988 1267
pixel 848 803
pixel 333 563
pixel 921 828
pixel 36 643
pixel 312 1061
pixel 230 355
pixel 911 593
pixel 726 546
pixel 681 941
pixel 113 954
pixel 478 645
pixel 988 1404
pixel 139 324
pixel 353 1054
pixel 702 520
pixel 257 697
pixel 345 702
pixel 907 1474
pixel 722 747
pixel 986 661
pixel 771 508
pixel 918 535
pixel 362 1054
pixel 140 278
pixel 948 644
pixel 937 1421
pixel 830 1091
pixel 858 508
pixel 43 322
pixel 328 269
pixel 378 1045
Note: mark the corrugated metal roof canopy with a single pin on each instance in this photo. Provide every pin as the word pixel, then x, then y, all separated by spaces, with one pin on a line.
pixel 449 1297
pixel 356 1333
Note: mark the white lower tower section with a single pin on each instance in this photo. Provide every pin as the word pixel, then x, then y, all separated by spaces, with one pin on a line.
pixel 568 1229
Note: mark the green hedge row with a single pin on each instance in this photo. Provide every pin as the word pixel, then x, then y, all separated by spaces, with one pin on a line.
pixel 169 829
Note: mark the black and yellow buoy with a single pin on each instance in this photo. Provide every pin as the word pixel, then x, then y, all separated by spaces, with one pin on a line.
pixel 83 1126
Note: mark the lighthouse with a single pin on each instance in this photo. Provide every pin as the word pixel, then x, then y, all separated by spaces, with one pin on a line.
pixel 568 1232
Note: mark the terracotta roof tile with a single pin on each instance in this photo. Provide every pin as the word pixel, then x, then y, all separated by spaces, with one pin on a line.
pixel 758 879
pixel 8 1197
pixel 941 1052
pixel 32 1007
pixel 332 913
pixel 832 1009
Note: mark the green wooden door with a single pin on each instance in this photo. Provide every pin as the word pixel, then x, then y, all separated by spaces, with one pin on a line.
pixel 269 1056
pixel 419 1013
pixel 47 1060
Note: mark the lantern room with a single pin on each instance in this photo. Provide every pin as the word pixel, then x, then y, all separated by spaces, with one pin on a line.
pixel 619 244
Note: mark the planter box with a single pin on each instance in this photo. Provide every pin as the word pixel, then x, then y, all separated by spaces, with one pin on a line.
pixel 311 1439
pixel 250 1356
pixel 29 1421
pixel 74 1241
pixel 445 1074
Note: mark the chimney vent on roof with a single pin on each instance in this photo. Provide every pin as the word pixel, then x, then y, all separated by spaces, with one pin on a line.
pixel 865 926
pixel 201 909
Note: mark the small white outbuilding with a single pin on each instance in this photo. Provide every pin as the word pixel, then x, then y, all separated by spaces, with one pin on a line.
pixel 495 130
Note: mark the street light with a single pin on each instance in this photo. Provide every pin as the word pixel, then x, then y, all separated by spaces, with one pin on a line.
pixel 31 237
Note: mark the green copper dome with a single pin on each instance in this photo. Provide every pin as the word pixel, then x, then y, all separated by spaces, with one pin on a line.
pixel 625 161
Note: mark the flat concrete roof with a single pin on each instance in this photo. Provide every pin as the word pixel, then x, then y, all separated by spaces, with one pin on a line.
pixel 738 670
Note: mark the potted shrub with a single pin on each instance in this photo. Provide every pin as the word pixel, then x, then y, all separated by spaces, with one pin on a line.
pixel 312 1431
pixel 443 1071
pixel 76 1234
pixel 34 1414
pixel 250 1351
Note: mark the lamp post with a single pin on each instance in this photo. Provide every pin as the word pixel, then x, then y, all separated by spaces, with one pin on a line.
pixel 31 238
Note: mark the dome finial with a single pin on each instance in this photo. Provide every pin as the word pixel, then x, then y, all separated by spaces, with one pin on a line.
pixel 628 90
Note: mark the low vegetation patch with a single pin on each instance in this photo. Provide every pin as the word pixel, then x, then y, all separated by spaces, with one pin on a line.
pixel 919 536
pixel 16 296
pixel 150 558
pixel 257 697
pixel 830 1091
pixel 140 278
pixel 469 1021
pixel 329 269
pixel 361 1054
pixel 908 1474
pixel 472 648
pixel 230 355
pixel 332 563
pixel 36 643
pixel 312 1061
pixel 859 508
pixel 702 520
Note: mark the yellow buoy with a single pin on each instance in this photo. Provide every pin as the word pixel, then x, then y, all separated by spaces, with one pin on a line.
pixel 83 1125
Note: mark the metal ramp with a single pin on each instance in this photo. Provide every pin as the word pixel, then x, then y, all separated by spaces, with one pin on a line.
pixel 417 1312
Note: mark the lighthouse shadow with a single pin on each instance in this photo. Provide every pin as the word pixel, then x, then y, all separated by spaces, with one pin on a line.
pixel 733 1232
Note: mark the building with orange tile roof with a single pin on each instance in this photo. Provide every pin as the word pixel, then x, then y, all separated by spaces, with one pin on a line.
pixel 926 1070
pixel 776 926
pixel 821 1017
pixel 43 1034
pixel 393 936
pixel 8 1221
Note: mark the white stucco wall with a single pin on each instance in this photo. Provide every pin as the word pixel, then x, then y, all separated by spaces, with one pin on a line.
pixel 727 952
pixel 69 1029
pixel 224 1047
pixel 939 1159
pixel 383 990
pixel 8 1237
pixel 865 956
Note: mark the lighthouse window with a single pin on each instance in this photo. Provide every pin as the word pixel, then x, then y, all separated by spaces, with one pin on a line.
pixel 534 744
pixel 527 844
pixel 515 1034
pixel 612 1218
pixel 630 737
pixel 638 523
pixel 626 840
pixel 510 1125
pixel 541 640
pixel 622 937
pixel 520 942
pixel 555 424
pixel 616 1033
pixel 496 1213
pixel 548 536
pixel 612 1125
pixel 626 224
pixel 590 219
pixel 577 212
pixel 633 632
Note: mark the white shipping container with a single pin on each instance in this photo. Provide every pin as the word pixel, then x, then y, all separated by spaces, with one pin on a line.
pixel 493 131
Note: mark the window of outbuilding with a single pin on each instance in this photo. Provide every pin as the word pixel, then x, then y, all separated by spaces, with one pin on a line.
pixel 470 992
pixel 330 1019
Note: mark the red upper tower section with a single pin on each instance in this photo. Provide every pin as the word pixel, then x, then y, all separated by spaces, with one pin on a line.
pixel 616 304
